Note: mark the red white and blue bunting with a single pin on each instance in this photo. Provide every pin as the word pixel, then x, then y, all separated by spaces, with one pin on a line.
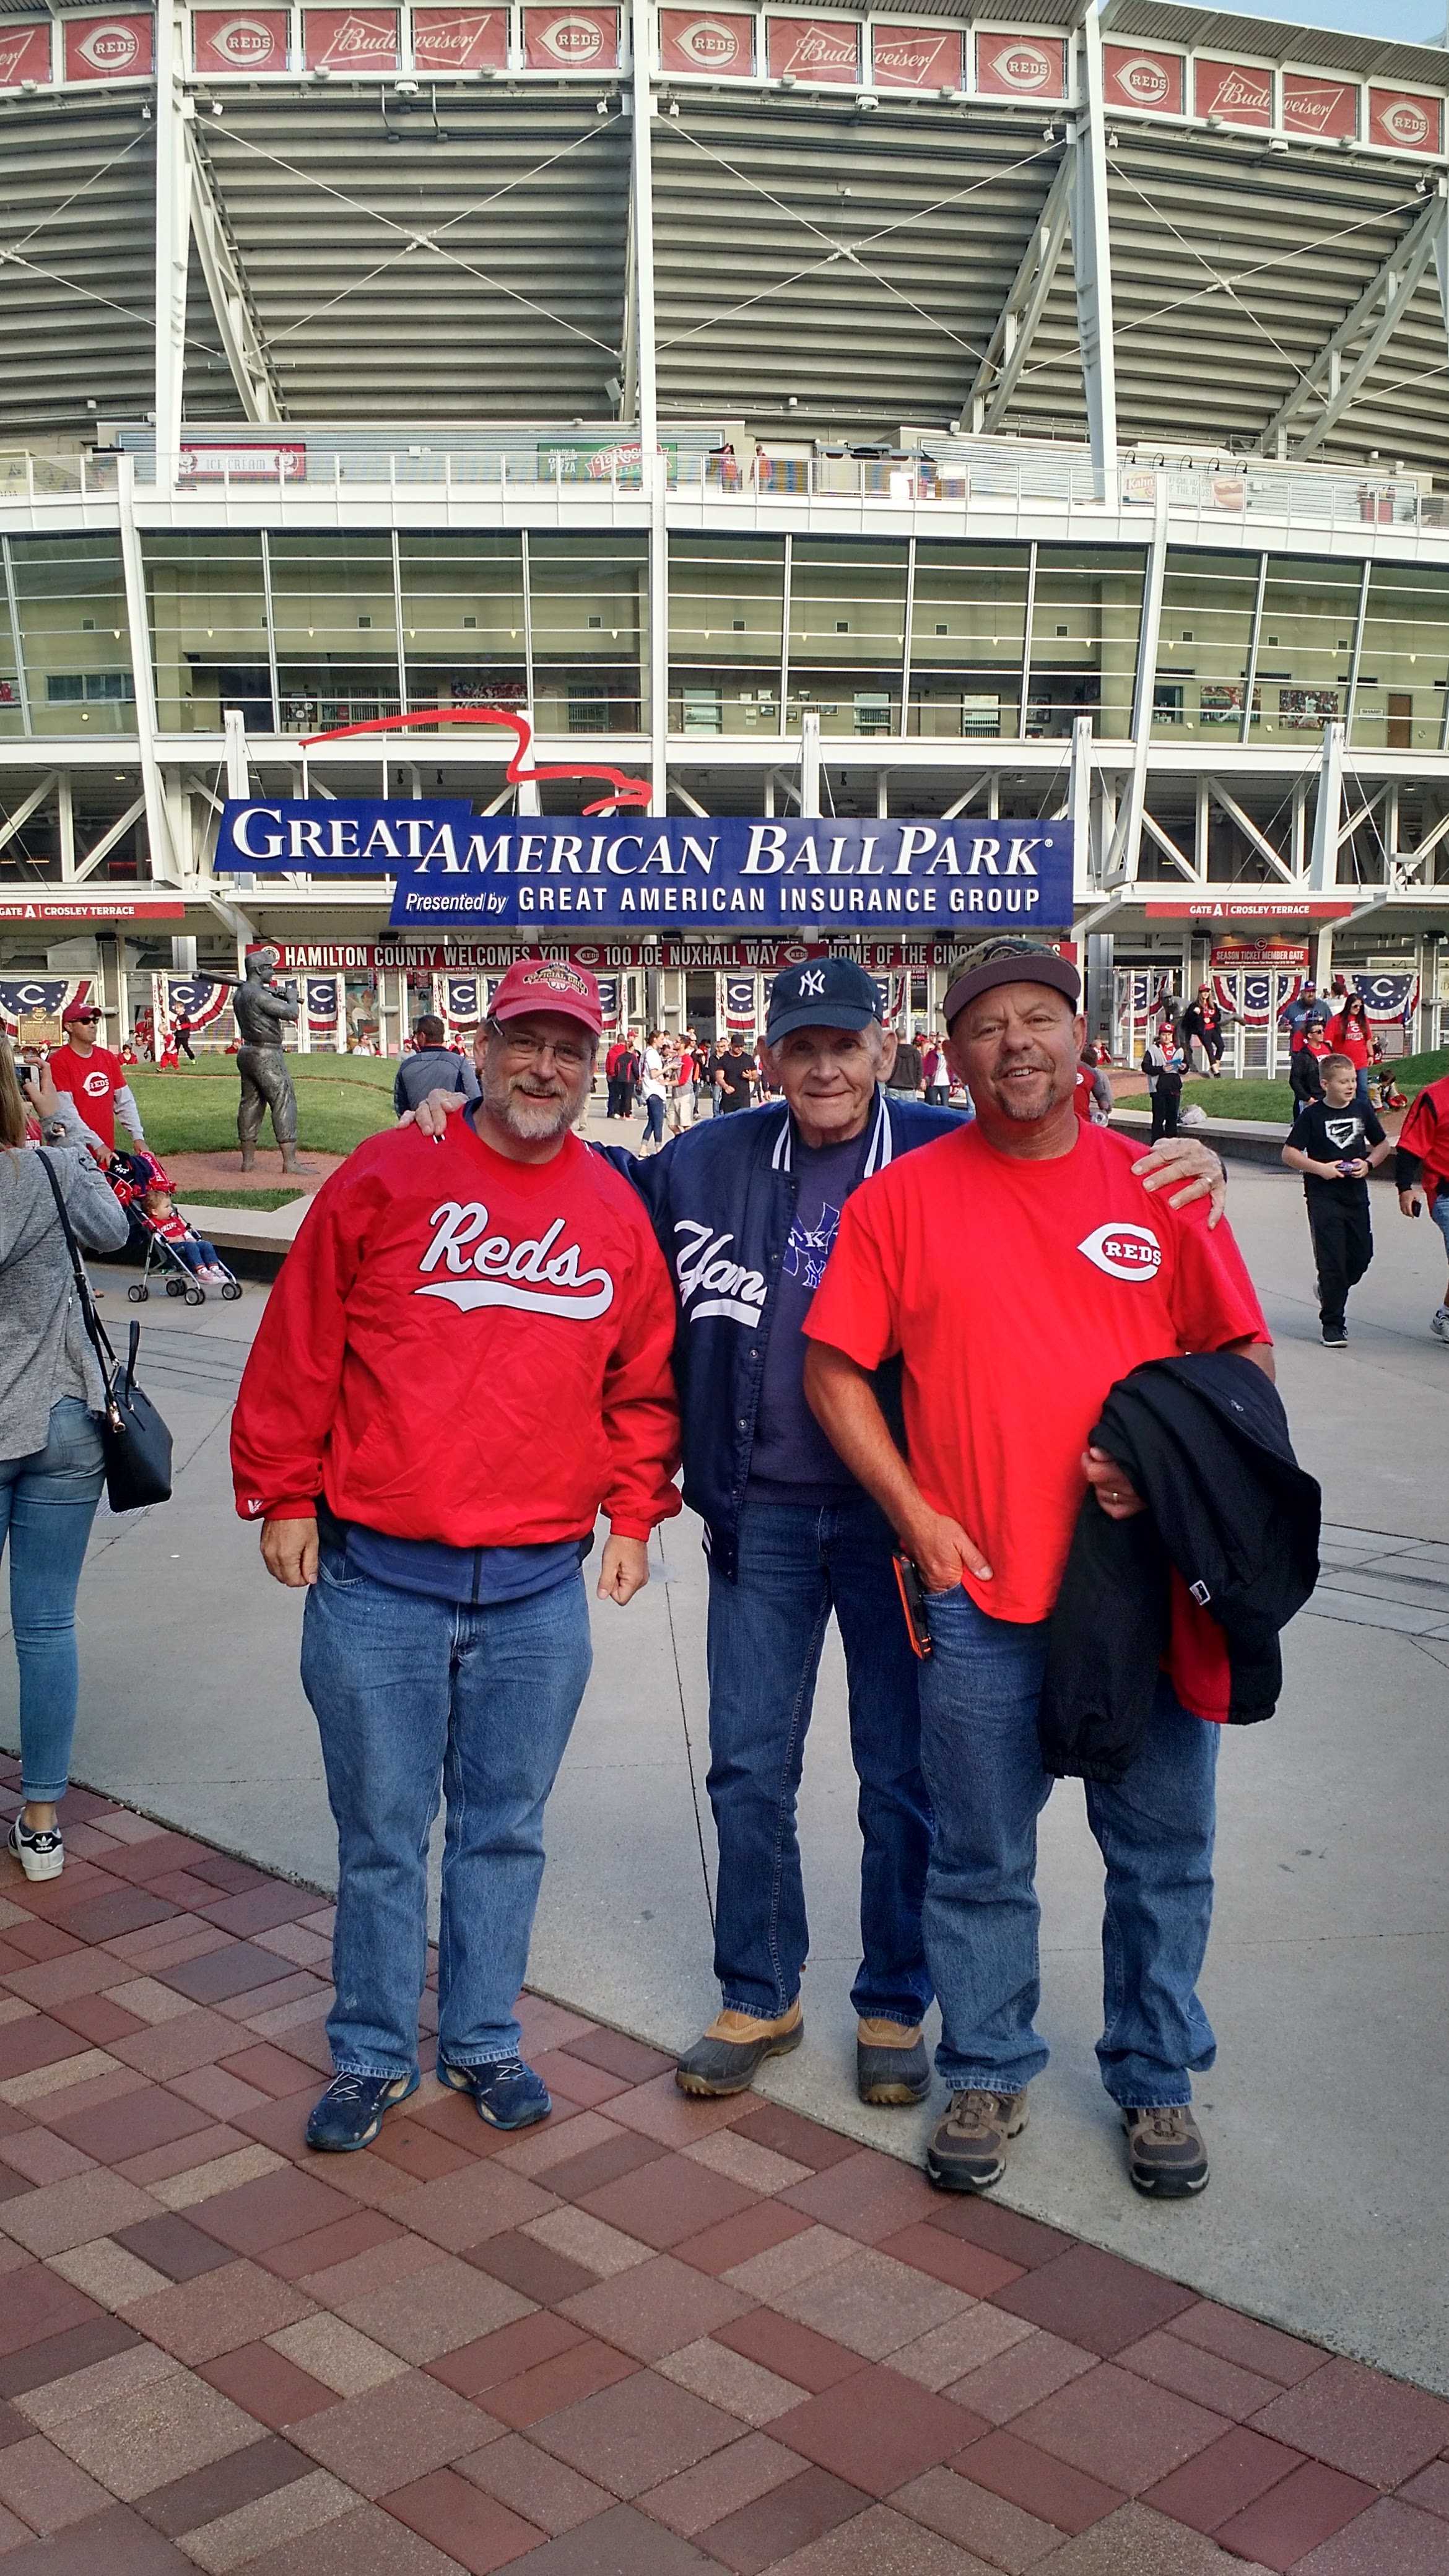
pixel 198 998
pixel 323 997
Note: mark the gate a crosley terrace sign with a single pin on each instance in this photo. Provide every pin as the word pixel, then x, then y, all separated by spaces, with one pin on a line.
pixel 587 875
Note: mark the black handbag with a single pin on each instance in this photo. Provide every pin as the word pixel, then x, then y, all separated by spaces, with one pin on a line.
pixel 136 1441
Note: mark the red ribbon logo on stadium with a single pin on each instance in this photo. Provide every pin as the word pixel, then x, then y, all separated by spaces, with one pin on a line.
pixel 623 791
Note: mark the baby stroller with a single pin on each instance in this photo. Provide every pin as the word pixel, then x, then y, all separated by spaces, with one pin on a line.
pixel 162 1245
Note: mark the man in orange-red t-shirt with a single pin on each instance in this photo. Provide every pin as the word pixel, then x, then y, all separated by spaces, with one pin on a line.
pixel 94 1078
pixel 1006 1360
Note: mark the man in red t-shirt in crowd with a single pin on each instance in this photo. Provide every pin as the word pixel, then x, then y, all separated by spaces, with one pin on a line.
pixel 466 1357
pixel 991 1262
pixel 94 1078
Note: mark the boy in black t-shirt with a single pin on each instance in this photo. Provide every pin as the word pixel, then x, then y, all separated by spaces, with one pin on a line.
pixel 1335 1145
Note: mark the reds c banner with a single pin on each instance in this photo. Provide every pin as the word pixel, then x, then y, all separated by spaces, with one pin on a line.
pixel 21 996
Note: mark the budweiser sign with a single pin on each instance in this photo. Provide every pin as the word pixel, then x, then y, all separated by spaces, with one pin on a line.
pixel 1133 77
pixel 917 57
pixel 24 55
pixel 1325 108
pixel 814 49
pixel 460 40
pixel 235 40
pixel 1404 120
pixel 350 40
pixel 107 48
pixel 1242 93
pixel 1028 67
pixel 570 40
pixel 691 40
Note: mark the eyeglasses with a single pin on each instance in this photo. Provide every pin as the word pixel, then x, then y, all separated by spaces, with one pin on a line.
pixel 566 1052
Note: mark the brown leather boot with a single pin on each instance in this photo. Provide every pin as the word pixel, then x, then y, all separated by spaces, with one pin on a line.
pixel 729 2054
pixel 890 2062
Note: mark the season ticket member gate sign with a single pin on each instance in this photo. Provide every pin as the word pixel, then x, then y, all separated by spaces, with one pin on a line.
pixel 646 872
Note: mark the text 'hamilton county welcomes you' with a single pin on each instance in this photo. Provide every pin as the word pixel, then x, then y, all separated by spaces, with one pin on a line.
pixel 451 865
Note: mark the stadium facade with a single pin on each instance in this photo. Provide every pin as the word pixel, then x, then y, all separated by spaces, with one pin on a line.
pixel 901 414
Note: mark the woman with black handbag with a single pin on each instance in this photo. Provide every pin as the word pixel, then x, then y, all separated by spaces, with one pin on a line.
pixel 52 1397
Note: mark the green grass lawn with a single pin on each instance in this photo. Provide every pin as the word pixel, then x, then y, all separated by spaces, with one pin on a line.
pixel 340 1099
pixel 265 1201
pixel 1273 1101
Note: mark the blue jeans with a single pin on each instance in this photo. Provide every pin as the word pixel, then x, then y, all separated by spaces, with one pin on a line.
pixel 797 1563
pixel 979 1752
pixel 410 1693
pixel 653 1119
pixel 47 1504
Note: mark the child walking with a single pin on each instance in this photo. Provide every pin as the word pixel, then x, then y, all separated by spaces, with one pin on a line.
pixel 1335 1144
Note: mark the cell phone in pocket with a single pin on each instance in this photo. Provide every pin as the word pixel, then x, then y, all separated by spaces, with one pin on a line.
pixel 913 1604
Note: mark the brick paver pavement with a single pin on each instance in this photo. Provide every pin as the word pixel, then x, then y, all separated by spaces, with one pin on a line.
pixel 648 2337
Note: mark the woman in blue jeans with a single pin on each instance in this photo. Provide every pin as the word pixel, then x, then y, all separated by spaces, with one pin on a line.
pixel 50 1441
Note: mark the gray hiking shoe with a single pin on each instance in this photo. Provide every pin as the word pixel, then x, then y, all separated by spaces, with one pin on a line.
pixel 1166 2157
pixel 968 2151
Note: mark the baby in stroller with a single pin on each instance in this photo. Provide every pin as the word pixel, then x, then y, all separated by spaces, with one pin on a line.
pixel 169 1243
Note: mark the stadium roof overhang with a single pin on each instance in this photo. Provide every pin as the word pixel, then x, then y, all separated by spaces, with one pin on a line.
pixel 1151 222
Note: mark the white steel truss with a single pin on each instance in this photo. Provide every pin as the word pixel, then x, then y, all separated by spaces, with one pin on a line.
pixel 252 371
pixel 1006 355
pixel 1338 375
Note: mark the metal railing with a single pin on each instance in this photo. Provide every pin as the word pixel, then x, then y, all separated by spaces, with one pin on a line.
pixel 992 479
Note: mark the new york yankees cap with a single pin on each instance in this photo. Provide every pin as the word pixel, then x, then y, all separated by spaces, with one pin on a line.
pixel 828 993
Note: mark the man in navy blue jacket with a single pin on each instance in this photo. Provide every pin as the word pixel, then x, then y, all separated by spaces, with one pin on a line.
pixel 746 1210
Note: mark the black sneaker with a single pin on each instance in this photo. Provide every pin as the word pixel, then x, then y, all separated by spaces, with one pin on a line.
pixel 506 2093
pixel 968 2150
pixel 40 1855
pixel 352 2110
pixel 1334 1338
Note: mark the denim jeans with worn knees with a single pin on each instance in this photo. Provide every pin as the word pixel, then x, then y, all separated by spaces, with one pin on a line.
pixel 412 1695
pixel 1154 1829
pixel 47 1504
pixel 797 1562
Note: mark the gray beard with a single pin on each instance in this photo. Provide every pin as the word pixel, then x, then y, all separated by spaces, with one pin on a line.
pixel 533 1122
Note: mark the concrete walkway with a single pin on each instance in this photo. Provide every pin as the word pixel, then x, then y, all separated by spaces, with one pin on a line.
pixel 1326 1979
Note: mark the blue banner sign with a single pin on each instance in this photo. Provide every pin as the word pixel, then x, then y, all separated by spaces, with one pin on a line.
pixel 555 875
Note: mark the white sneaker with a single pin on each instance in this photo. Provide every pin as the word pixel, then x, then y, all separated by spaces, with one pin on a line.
pixel 40 1855
pixel 1439 1324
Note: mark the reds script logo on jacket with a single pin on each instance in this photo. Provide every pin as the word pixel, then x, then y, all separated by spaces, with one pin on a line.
pixel 1123 1251
pixel 492 1270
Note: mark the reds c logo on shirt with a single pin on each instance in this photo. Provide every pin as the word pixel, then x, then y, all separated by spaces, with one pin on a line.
pixel 96 1084
pixel 1123 1251
pixel 530 1275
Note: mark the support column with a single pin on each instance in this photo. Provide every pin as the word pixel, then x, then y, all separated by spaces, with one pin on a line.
pixel 810 764
pixel 1328 814
pixel 652 460
pixel 1092 256
pixel 65 825
pixel 1079 808
pixel 173 238
pixel 163 857
pixel 1143 696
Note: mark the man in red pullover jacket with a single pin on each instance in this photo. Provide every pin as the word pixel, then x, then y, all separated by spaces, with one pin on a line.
pixel 466 1357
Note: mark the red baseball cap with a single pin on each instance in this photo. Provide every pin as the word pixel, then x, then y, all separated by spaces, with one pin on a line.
pixel 545 984
pixel 77 1011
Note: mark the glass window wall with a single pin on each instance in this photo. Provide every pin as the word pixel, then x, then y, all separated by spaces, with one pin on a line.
pixel 590 614
pixel 70 601
pixel 1084 630
pixel 336 630
pixel 847 634
pixel 1203 645
pixel 464 626
pixel 726 603
pixel 1305 648
pixel 206 600
pixel 1403 681
pixel 967 632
